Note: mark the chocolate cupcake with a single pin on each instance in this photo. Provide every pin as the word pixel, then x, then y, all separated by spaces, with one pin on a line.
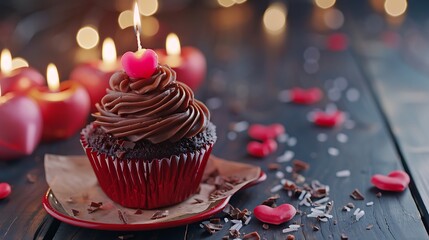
pixel 150 141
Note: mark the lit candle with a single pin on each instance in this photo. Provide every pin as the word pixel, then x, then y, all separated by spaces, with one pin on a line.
pixel 64 106
pixel 20 126
pixel 16 78
pixel 143 63
pixel 94 76
pixel 188 62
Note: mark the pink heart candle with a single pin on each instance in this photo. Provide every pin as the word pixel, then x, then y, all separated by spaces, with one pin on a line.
pixel 141 64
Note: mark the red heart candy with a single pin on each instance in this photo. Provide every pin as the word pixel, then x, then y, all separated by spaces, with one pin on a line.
pixel 140 64
pixel 396 181
pixel 271 145
pixel 278 215
pixel 324 119
pixel 262 132
pixel 258 149
pixel 5 190
pixel 20 127
pixel 305 96
pixel 337 42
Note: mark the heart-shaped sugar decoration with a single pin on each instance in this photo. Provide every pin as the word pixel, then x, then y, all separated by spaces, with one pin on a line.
pixel 278 215
pixel 141 64
pixel 263 132
pixel 5 190
pixel 396 181
pixel 305 96
pixel 325 119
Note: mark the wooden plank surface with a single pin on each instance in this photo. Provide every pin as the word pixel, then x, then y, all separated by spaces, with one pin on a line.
pixel 245 71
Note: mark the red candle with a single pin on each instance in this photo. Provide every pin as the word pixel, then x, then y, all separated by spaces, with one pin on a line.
pixel 95 76
pixel 64 107
pixel 19 80
pixel 20 126
pixel 188 62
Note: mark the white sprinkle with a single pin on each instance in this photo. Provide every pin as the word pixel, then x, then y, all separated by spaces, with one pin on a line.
pixel 240 126
pixel 343 173
pixel 232 135
pixel 289 193
pixel 347 208
pixel 301 196
pixel 353 95
pixel 235 221
pixel 322 137
pixel 322 200
pixel 236 226
pixel 276 188
pixel 247 220
pixel 294 226
pixel 360 215
pixel 288 230
pixel 282 138
pixel 311 53
pixel 214 103
pixel 321 207
pixel 286 157
pixel 240 225
pixel 314 210
pixel 333 151
pixel 226 220
pixel 291 141
pixel 356 211
pixel 349 124
pixel 370 203
pixel 284 96
pixel 328 215
pixel 323 219
pixel 201 226
pixel 280 175
pixel 340 83
pixel 289 169
pixel 313 215
pixel 342 138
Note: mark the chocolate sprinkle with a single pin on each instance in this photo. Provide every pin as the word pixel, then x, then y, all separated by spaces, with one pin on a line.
pixel 350 205
pixel 31 178
pixel 379 194
pixel 75 212
pixel 356 195
pixel 265 226
pixel 316 228
pixel 273 166
pixel 212 228
pixel 290 237
pixel 225 237
pixel 159 214
pixel 252 236
pixel 271 201
pixel 215 220
pixel 138 211
pixel 122 217
pixel 299 165
pixel 93 207
pixel 344 237
pixel 197 201
pixel 369 227
pixel 234 233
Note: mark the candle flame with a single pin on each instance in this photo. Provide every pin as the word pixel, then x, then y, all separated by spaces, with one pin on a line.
pixel 109 51
pixel 52 77
pixel 137 25
pixel 172 45
pixel 6 61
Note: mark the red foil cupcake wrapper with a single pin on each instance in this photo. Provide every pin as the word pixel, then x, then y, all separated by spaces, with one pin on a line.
pixel 147 184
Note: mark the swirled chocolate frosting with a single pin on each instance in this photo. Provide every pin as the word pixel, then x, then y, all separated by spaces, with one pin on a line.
pixel 156 109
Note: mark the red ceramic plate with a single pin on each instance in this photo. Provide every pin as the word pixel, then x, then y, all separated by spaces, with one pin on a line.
pixel 55 209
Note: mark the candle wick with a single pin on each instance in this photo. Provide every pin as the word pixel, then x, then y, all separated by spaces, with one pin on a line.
pixel 139 43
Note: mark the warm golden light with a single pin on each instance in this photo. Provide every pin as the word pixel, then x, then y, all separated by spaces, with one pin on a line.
pixel 240 1
pixel 137 25
pixel 226 3
pixel 108 51
pixel 19 63
pixel 52 77
pixel 87 37
pixel 324 3
pixel 150 26
pixel 6 61
pixel 172 45
pixel 149 7
pixel 275 18
pixel 395 8
pixel 125 19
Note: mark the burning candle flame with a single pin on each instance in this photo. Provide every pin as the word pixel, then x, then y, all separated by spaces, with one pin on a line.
pixel 172 45
pixel 109 51
pixel 137 25
pixel 6 62
pixel 52 77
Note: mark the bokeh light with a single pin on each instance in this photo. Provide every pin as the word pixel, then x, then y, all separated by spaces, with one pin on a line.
pixel 333 18
pixel 87 37
pixel 275 18
pixel 324 3
pixel 148 7
pixel 395 8
pixel 19 63
pixel 226 3
pixel 125 19
pixel 150 26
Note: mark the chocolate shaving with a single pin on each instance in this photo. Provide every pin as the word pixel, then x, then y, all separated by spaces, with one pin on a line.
pixel 197 201
pixel 159 214
pixel 31 178
pixel 271 201
pixel 212 228
pixel 265 226
pixel 299 165
pixel 215 220
pixel 350 205
pixel 344 237
pixel 273 166
pixel 316 228
pixel 379 194
pixel 122 217
pixel 226 237
pixel 290 237
pixel 290 186
pixel 356 195
pixel 234 233
pixel 138 211
pixel 369 227
pixel 298 178
pixel 124 237
pixel 93 207
pixel 252 236
pixel 75 212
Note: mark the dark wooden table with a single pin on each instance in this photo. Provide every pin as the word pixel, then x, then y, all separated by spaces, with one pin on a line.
pixel 386 65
